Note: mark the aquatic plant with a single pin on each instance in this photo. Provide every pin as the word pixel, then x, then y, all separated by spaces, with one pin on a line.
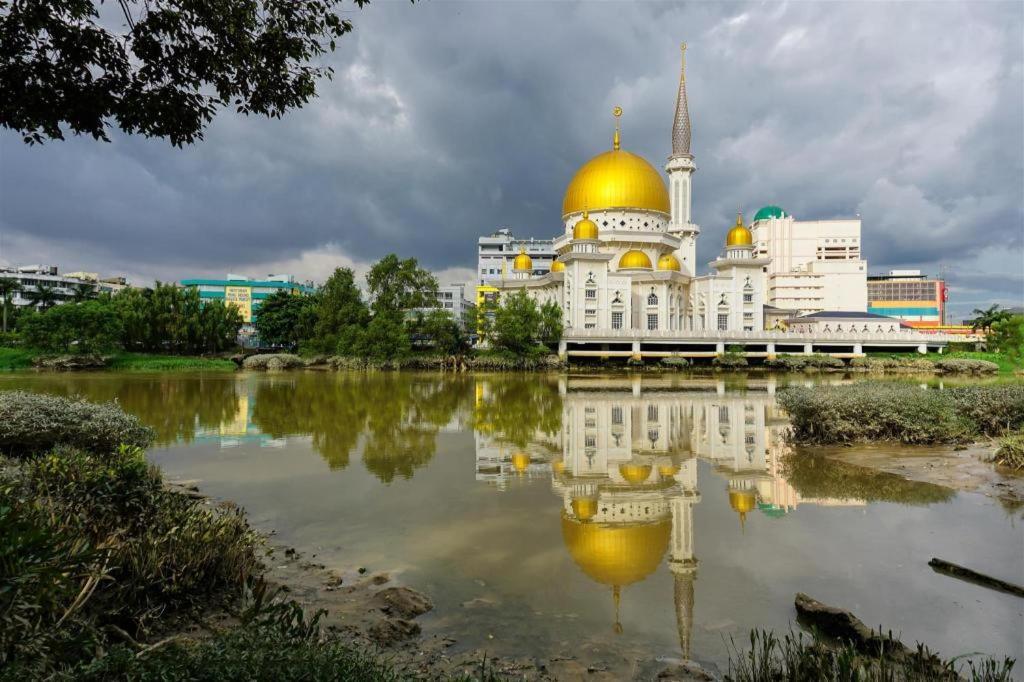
pixel 797 657
pixel 32 423
pixel 901 412
pixel 965 366
pixel 1010 452
pixel 797 363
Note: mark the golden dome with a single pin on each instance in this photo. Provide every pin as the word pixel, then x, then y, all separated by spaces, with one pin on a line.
pixel 558 467
pixel 634 260
pixel 585 229
pixel 635 474
pixel 522 263
pixel 584 508
pixel 739 235
pixel 742 501
pixel 520 461
pixel 616 179
pixel 669 262
pixel 616 554
pixel 558 266
pixel 668 470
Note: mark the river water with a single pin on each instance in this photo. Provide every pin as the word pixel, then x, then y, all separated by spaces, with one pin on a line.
pixel 654 517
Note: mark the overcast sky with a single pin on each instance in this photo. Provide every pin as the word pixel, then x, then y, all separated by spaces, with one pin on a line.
pixel 447 120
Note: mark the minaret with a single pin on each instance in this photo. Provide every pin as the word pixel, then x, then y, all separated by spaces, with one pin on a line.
pixel 682 562
pixel 680 169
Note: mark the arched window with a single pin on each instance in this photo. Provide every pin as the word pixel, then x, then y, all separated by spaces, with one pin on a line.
pixel 652 299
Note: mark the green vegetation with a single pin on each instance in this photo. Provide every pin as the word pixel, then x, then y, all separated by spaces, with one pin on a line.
pixel 797 657
pixel 799 363
pixel 902 412
pixel 285 320
pixel 16 358
pixel 1007 337
pixel 1010 452
pixel 518 328
pixel 147 362
pixel 985 319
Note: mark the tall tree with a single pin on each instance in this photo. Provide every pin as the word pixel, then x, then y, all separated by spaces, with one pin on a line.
pixel 169 69
pixel 83 291
pixel 400 285
pixel 549 327
pixel 517 324
pixel 285 319
pixel 340 313
pixel 984 319
pixel 42 295
pixel 8 287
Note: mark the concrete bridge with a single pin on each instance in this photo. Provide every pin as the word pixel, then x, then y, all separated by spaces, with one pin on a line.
pixel 610 343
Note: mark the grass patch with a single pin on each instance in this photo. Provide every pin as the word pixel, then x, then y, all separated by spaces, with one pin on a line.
pixel 1006 364
pixel 799 657
pixel 874 411
pixel 140 362
pixel 16 358
pixel 1010 452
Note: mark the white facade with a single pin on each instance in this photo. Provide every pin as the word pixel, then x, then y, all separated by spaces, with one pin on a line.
pixel 496 252
pixel 30 277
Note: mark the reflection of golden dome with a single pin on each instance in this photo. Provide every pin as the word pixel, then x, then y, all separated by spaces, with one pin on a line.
pixel 584 508
pixel 616 554
pixel 585 229
pixel 669 262
pixel 635 473
pixel 634 259
pixel 668 470
pixel 522 263
pixel 739 235
pixel 520 461
pixel 558 266
pixel 742 501
pixel 616 179
pixel 558 467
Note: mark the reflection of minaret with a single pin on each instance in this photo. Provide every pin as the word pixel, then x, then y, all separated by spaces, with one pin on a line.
pixel 682 562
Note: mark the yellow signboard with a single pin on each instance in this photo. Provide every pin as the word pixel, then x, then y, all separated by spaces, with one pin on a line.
pixel 241 298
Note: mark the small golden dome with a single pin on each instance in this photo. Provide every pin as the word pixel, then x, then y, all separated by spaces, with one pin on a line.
pixel 558 467
pixel 632 260
pixel 742 501
pixel 616 179
pixel 522 263
pixel 585 228
pixel 558 266
pixel 520 461
pixel 669 262
pixel 739 235
pixel 616 554
pixel 668 470
pixel 635 474
pixel 584 508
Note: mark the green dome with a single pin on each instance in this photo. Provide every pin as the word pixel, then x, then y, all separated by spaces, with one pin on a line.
pixel 769 212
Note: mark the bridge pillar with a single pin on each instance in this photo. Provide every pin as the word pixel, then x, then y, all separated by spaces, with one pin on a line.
pixel 858 349
pixel 771 349
pixel 808 348
pixel 562 348
pixel 922 349
pixel 636 348
pixel 720 347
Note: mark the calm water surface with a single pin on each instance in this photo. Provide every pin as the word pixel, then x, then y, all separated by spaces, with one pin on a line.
pixel 655 517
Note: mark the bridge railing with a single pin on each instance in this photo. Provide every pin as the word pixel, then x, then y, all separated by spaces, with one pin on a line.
pixel 764 336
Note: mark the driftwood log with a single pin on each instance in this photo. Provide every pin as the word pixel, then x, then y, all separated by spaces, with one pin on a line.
pixel 966 574
pixel 842 625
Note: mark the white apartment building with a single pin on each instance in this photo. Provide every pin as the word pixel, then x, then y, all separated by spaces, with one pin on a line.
pixel 496 253
pixel 30 277
pixel 452 298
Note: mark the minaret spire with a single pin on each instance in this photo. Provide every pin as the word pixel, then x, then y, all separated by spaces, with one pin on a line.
pixel 681 123
pixel 616 112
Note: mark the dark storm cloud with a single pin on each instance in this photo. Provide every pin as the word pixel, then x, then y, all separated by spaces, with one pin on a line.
pixel 447 120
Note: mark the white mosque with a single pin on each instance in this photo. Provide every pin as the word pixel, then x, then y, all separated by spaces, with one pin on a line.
pixel 626 261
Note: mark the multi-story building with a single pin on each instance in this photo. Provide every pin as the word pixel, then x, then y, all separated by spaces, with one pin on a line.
pixel 63 286
pixel 496 254
pixel 452 299
pixel 246 294
pixel 908 295
pixel 815 265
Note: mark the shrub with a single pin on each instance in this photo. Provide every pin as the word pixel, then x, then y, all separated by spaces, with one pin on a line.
pixel 675 363
pixel 272 361
pixel 98 543
pixel 956 366
pixel 34 423
pixel 796 363
pixel 879 411
pixel 729 360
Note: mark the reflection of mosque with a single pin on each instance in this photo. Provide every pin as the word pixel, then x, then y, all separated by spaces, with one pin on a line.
pixel 626 471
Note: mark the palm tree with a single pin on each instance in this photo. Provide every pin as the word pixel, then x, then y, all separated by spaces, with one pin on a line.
pixel 8 287
pixel 984 319
pixel 83 291
pixel 43 296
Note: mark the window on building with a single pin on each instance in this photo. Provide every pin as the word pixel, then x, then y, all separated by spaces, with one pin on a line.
pixel 589 441
pixel 617 415
pixel 652 322
pixel 723 321
pixel 748 298
pixel 652 299
pixel 748 316
pixel 652 413
pixel 589 325
pixel 592 294
pixel 617 320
